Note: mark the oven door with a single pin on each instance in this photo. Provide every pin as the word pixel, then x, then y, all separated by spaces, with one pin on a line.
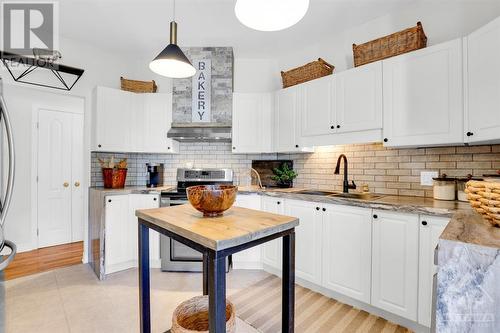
pixel 175 256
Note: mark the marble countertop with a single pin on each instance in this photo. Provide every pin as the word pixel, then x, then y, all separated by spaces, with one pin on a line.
pixel 469 227
pixel 386 202
pixel 133 190
pixel 236 227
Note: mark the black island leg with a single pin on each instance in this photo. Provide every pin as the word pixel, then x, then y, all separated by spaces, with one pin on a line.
pixel 288 300
pixel 205 273
pixel 144 281
pixel 216 293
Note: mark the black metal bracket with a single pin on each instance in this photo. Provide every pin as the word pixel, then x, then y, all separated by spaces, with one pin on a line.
pixel 34 64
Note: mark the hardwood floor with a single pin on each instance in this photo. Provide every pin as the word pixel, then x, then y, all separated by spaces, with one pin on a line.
pixel 45 259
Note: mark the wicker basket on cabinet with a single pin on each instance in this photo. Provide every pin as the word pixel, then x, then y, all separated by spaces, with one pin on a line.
pixel 308 72
pixel 403 41
pixel 138 86
pixel 484 197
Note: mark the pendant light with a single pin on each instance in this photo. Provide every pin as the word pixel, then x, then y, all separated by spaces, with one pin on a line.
pixel 270 15
pixel 172 62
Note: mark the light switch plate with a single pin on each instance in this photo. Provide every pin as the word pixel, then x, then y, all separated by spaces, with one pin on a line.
pixel 426 177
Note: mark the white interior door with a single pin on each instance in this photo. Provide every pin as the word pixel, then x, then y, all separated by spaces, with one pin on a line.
pixel 54 177
pixel 77 191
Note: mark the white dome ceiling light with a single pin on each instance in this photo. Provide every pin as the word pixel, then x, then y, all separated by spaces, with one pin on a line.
pixel 270 15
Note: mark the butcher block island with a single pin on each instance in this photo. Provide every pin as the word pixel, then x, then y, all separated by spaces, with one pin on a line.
pixel 216 238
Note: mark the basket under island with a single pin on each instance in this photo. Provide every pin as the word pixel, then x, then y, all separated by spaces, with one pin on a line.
pixel 216 238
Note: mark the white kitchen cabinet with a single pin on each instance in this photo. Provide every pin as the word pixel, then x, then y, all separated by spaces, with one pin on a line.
pixel 111 120
pixel 123 121
pixel 117 248
pixel 307 239
pixel 251 258
pixel 395 263
pixel 358 99
pixel 272 250
pixel 317 112
pixel 121 244
pixel 482 73
pixel 347 249
pixel 286 122
pixel 253 121
pixel 423 97
pixel 431 228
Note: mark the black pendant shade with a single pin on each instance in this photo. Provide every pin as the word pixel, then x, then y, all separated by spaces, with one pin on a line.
pixel 172 62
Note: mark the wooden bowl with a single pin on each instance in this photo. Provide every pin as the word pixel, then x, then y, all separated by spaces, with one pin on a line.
pixel 212 200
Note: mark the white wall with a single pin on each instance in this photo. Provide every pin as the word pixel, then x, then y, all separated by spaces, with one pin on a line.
pixel 442 20
pixel 101 68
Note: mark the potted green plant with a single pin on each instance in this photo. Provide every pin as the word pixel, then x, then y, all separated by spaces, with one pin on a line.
pixel 284 176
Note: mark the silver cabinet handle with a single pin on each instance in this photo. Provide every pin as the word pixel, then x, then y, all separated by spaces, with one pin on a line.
pixel 11 256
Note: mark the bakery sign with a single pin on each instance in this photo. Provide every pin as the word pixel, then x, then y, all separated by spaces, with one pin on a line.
pixel 201 90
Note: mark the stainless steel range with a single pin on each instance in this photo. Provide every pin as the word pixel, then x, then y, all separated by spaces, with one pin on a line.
pixel 175 256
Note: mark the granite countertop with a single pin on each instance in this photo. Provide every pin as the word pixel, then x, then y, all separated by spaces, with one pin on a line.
pixel 387 202
pixel 469 227
pixel 236 227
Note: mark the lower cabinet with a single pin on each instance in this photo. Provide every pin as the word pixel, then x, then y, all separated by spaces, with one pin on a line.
pixel 307 239
pixel 120 244
pixel 395 263
pixel 431 228
pixel 271 251
pixel 347 247
pixel 251 258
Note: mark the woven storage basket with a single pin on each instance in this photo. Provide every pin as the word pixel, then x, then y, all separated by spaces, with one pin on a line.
pixel 308 72
pixel 191 316
pixel 138 86
pixel 403 41
pixel 484 197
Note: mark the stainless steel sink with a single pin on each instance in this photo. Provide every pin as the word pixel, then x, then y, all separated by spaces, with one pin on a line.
pixel 314 192
pixel 360 196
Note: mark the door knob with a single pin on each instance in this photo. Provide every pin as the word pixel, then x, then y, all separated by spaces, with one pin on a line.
pixel 66 184
pixel 77 183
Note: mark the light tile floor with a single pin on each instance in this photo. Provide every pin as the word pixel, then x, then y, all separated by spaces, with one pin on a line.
pixel 73 300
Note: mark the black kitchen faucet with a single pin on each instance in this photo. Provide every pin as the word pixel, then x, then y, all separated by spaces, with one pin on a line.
pixel 346 186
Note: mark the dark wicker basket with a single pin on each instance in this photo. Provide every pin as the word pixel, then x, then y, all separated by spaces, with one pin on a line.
pixel 138 86
pixel 403 41
pixel 308 72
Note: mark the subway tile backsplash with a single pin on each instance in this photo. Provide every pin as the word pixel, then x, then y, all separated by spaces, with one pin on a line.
pixel 384 170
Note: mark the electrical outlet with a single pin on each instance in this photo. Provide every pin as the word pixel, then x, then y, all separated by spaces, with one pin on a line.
pixel 426 177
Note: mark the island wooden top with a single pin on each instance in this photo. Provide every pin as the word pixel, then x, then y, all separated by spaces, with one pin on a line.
pixel 237 226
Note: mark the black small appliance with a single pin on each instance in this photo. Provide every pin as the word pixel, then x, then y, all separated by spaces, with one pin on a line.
pixel 155 174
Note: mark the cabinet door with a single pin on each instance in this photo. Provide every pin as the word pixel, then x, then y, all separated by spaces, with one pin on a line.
pixel 143 201
pixel 252 122
pixel 113 120
pixel 117 234
pixel 395 263
pixel 307 239
pixel 358 98
pixel 251 258
pixel 271 251
pixel 157 113
pixel 347 240
pixel 483 84
pixel 287 101
pixel 423 98
pixel 431 228
pixel 317 114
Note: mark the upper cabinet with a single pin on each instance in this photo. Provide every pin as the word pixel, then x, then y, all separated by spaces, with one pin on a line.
pixel 343 108
pixel 286 113
pixel 253 120
pixel 358 99
pixel 482 112
pixel 423 97
pixel 128 122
